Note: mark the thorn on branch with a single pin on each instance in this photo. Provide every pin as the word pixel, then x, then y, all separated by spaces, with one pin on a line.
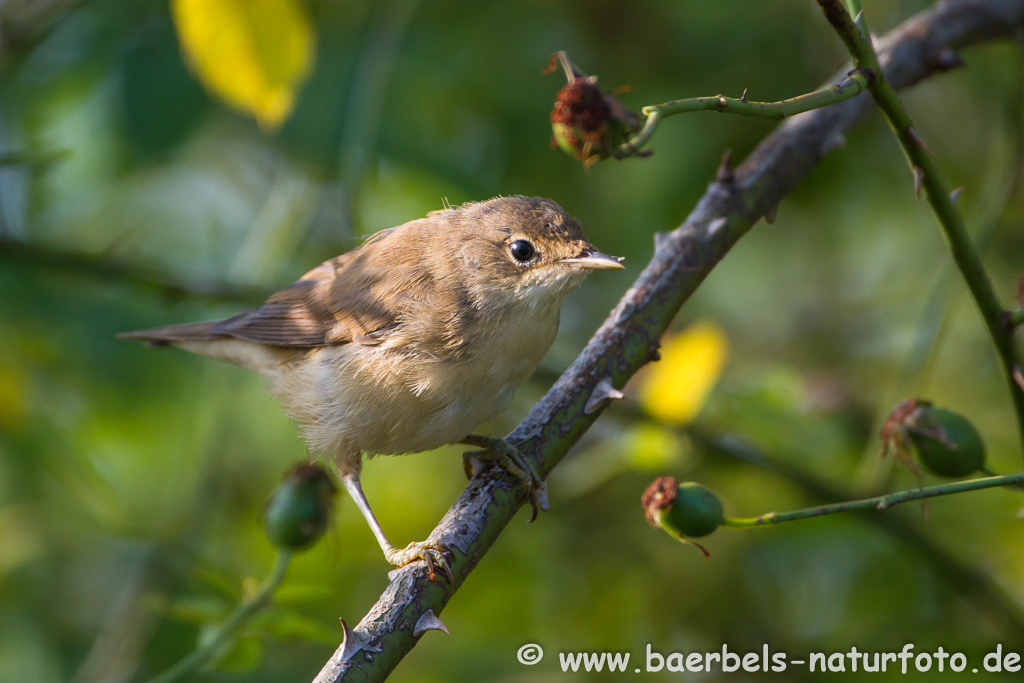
pixel 627 310
pixel 1007 321
pixel 743 97
pixel 857 20
pixel 947 59
pixel 771 213
pixel 654 347
pixel 724 175
pixel 604 391
pixel 955 194
pixel 1018 376
pixel 352 643
pixel 916 139
pixel 716 225
pixel 428 621
pixel 918 181
pixel 660 238
pixel 834 141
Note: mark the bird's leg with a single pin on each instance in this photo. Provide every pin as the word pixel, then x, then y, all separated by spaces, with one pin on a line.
pixel 513 460
pixel 434 553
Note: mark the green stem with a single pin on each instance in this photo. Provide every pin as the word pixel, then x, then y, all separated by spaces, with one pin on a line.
pixel 989 472
pixel 1017 317
pixel 926 175
pixel 232 625
pixel 959 574
pixel 852 86
pixel 878 503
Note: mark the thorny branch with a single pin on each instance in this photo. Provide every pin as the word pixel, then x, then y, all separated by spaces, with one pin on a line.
pixel 628 339
pixel 926 175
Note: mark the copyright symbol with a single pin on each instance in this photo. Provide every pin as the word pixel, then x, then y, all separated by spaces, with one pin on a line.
pixel 531 653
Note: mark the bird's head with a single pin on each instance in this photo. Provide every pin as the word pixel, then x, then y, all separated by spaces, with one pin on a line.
pixel 524 249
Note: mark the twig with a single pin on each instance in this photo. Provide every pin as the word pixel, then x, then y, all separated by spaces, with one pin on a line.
pixel 211 647
pixel 960 576
pixel 1005 174
pixel 878 502
pixel 32 24
pixel 926 175
pixel 851 86
pixel 628 338
pixel 107 269
pixel 32 159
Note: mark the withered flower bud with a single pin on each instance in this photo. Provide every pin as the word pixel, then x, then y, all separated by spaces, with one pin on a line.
pixel 587 123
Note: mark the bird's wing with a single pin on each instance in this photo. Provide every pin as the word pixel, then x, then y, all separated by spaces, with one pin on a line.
pixel 364 297
pixel 345 300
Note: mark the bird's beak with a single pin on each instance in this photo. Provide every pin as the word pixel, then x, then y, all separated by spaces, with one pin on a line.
pixel 591 258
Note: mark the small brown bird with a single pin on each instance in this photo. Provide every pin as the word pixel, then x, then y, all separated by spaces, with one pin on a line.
pixel 413 339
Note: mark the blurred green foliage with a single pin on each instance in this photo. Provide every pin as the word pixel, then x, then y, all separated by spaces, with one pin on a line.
pixel 132 480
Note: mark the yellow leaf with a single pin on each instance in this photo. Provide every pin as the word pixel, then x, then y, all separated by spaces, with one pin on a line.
pixel 253 54
pixel 674 390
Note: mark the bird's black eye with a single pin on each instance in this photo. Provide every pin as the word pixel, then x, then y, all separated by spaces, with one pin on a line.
pixel 522 251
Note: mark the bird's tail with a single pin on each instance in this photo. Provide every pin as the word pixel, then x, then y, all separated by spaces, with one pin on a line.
pixel 165 336
pixel 202 338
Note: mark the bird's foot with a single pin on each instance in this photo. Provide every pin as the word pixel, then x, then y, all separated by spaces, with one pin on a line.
pixel 434 553
pixel 512 460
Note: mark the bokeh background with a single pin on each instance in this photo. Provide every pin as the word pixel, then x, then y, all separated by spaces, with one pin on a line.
pixel 132 480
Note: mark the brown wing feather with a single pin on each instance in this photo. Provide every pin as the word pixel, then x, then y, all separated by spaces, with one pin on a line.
pixel 334 303
pixel 361 297
pixel 294 316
